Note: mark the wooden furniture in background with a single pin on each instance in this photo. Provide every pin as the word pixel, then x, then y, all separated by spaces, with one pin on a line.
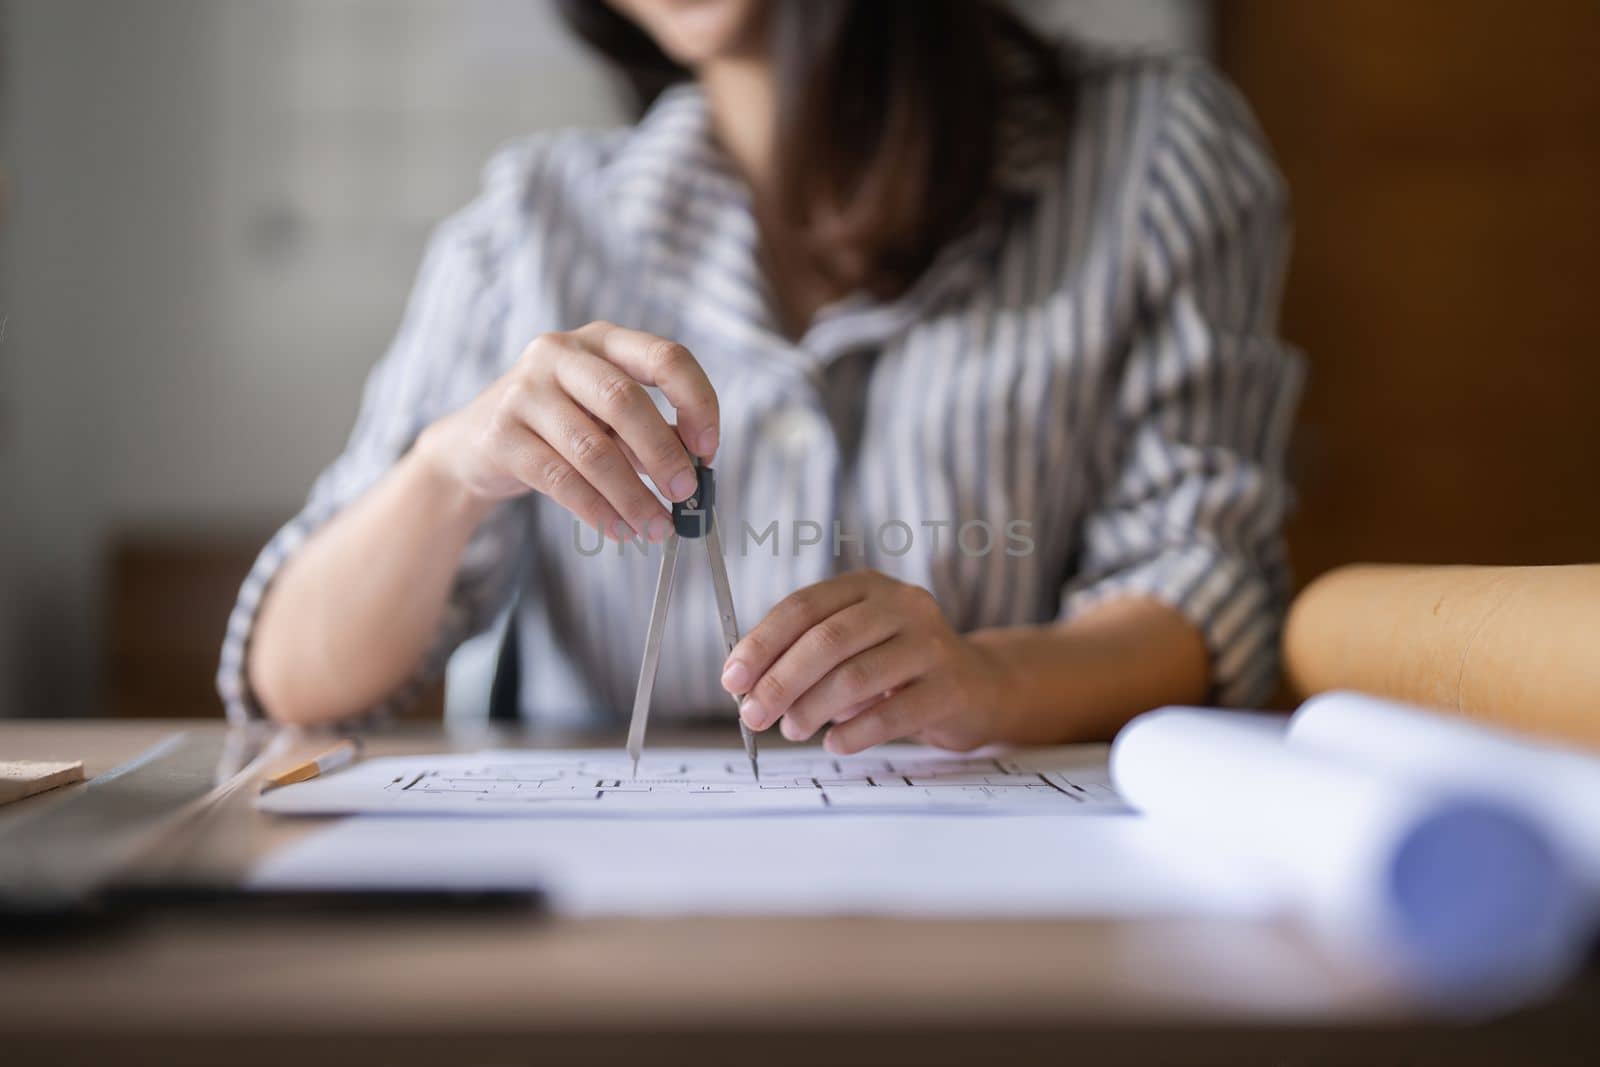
pixel 1444 158
pixel 169 596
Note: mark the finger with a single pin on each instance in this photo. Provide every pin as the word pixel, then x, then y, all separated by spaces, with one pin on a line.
pixel 835 640
pixel 914 708
pixel 783 625
pixel 633 460
pixel 673 369
pixel 538 466
pixel 861 705
pixel 584 443
pixel 894 663
pixel 621 403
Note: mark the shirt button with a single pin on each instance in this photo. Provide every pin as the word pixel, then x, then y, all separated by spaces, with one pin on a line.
pixel 795 430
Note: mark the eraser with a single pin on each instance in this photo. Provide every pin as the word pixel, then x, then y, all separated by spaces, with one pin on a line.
pixel 24 778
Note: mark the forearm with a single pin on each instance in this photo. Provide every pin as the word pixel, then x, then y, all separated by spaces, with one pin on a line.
pixel 353 612
pixel 1083 679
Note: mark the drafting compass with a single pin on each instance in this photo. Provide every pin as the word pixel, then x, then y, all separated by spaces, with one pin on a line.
pixel 696 519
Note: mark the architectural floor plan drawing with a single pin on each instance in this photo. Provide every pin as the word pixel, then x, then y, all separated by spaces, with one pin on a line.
pixel 711 781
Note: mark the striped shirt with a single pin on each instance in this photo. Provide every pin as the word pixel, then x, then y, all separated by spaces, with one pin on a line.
pixel 1082 398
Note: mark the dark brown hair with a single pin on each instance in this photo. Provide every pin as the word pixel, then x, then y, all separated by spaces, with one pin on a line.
pixel 888 118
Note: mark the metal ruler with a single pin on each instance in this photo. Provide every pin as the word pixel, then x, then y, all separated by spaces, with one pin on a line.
pixel 74 845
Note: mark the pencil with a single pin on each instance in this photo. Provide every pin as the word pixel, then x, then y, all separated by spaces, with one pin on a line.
pixel 340 755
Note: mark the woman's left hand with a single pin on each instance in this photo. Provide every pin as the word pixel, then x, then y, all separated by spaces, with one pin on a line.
pixel 874 657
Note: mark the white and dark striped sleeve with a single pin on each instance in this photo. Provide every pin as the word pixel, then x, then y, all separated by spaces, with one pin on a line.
pixel 451 326
pixel 1194 491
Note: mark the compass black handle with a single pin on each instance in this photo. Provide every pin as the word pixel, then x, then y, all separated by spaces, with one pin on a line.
pixel 691 517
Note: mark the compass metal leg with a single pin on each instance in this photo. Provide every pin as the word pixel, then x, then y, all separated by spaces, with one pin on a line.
pixel 730 624
pixel 652 650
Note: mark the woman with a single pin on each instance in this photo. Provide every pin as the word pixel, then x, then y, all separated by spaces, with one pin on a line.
pixel 980 336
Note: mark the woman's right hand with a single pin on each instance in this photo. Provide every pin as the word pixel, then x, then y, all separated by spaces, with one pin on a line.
pixel 572 420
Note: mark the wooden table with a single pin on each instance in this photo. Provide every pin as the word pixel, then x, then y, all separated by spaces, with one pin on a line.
pixel 502 989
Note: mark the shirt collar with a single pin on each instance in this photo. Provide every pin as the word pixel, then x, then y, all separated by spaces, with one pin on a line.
pixel 669 159
pixel 684 212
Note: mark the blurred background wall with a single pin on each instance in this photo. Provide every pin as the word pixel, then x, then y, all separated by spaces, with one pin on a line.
pixel 1445 163
pixel 216 209
pixel 213 211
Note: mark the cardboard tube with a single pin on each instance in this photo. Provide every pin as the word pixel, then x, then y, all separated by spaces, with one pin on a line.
pixel 1515 646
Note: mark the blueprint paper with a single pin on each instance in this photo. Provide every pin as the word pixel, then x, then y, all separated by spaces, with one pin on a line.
pixel 1558 785
pixel 690 782
pixel 1455 890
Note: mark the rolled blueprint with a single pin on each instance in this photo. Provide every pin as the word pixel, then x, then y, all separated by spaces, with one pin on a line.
pixel 1516 646
pixel 1559 787
pixel 1459 895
